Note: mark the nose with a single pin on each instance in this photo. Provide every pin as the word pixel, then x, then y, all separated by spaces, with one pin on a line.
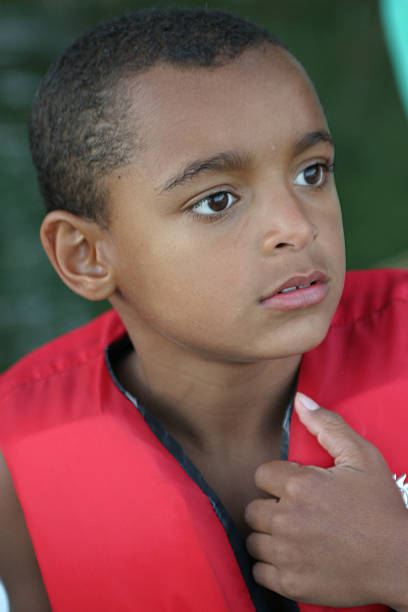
pixel 289 226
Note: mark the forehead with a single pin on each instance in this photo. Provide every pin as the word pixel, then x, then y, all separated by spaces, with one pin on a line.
pixel 262 100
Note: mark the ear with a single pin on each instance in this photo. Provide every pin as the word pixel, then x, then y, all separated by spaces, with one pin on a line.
pixel 79 251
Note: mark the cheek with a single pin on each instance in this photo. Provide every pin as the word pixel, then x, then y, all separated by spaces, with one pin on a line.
pixel 337 256
pixel 333 236
pixel 338 239
pixel 173 278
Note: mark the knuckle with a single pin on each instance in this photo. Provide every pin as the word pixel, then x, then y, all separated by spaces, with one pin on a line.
pixel 334 423
pixel 364 453
pixel 282 555
pixel 260 514
pixel 372 453
pixel 278 523
pixel 300 485
pixel 334 419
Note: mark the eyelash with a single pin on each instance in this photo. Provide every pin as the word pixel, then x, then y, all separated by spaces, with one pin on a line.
pixel 217 215
pixel 326 167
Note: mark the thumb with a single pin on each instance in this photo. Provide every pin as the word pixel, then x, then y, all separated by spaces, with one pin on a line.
pixel 333 434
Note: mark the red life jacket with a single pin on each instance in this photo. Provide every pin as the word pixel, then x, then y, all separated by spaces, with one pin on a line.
pixel 117 523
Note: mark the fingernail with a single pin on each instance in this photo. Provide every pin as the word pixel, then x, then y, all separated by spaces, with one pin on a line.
pixel 307 402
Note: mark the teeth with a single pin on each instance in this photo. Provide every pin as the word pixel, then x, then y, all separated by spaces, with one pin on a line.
pixel 294 288
pixel 288 289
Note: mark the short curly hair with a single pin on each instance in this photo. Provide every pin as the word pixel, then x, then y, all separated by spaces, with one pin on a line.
pixel 79 129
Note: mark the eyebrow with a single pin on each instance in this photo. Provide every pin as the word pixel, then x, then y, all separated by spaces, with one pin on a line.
pixel 231 160
pixel 312 138
pixel 226 161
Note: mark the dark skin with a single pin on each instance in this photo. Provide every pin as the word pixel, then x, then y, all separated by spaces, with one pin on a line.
pixel 231 473
pixel 214 364
pixel 231 476
pixel 288 521
pixel 18 564
pixel 331 537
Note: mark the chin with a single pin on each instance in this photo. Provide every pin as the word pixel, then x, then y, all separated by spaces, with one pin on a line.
pixel 294 338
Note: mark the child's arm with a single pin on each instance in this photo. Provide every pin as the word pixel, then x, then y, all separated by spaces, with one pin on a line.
pixel 18 565
pixel 335 537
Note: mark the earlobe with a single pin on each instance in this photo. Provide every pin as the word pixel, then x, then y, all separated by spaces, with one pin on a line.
pixel 79 251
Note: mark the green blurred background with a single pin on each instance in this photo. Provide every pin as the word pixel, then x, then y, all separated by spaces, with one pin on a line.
pixel 341 44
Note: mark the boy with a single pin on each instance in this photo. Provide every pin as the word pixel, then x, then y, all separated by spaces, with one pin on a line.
pixel 186 166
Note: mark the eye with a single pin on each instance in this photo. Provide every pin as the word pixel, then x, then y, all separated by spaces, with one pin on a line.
pixel 214 203
pixel 314 175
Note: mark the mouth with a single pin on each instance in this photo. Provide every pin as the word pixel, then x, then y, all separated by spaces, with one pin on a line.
pixel 298 292
pixel 296 288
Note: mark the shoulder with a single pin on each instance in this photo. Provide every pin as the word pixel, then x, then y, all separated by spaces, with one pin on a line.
pixel 47 387
pixel 18 564
pixel 64 353
pixel 369 293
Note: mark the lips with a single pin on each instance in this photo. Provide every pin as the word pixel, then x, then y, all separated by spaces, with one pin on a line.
pixel 297 282
pixel 299 291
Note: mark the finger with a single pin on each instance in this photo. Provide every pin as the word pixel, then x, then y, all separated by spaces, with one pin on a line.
pixel 345 445
pixel 259 514
pixel 266 575
pixel 273 477
pixel 260 546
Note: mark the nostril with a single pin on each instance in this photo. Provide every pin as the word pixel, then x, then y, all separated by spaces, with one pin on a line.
pixel 280 245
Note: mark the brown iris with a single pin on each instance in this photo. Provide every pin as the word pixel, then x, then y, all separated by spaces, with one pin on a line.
pixel 313 174
pixel 218 201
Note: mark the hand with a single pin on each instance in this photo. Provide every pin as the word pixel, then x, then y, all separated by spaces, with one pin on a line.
pixel 333 537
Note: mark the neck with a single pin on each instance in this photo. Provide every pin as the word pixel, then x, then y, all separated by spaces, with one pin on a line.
pixel 211 405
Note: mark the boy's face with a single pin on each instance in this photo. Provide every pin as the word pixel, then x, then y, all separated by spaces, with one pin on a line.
pixel 228 199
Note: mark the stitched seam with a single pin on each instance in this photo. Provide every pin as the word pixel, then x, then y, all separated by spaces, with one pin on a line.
pixel 369 314
pixel 32 381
